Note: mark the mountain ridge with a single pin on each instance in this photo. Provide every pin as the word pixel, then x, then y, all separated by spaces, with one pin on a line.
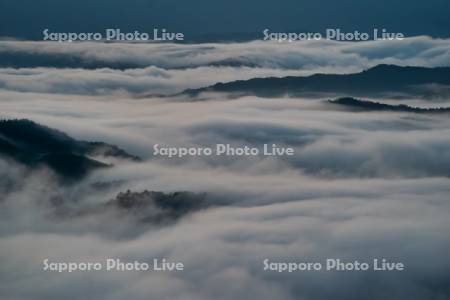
pixel 36 145
pixel 364 105
pixel 378 80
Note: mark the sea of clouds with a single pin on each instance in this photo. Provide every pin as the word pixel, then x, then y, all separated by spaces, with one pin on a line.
pixel 361 185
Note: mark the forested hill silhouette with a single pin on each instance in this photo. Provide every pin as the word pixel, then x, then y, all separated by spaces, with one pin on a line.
pixel 35 145
pixel 364 105
pixel 379 80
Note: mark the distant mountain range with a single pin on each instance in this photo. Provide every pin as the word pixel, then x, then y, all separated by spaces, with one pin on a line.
pixel 363 105
pixel 36 145
pixel 382 80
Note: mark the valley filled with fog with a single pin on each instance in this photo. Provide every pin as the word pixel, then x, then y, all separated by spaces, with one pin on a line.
pixel 366 181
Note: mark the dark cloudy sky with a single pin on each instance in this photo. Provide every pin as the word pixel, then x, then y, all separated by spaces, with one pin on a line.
pixel 27 18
